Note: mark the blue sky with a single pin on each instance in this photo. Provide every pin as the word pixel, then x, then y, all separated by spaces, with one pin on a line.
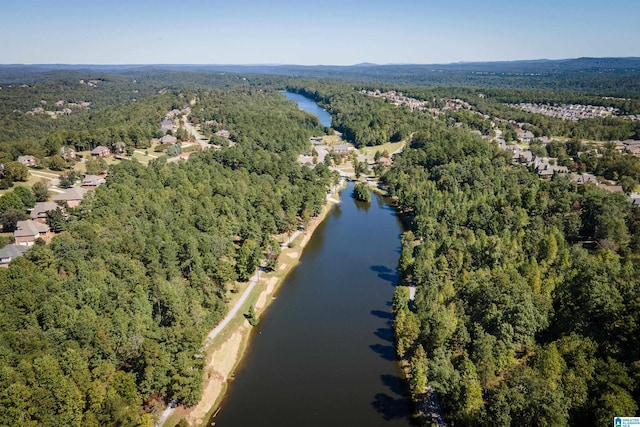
pixel 339 32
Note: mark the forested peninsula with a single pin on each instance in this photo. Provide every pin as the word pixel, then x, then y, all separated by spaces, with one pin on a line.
pixel 517 301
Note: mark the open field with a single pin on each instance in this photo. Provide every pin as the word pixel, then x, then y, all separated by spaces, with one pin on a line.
pixel 391 148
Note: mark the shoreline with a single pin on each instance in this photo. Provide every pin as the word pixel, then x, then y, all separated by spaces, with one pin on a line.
pixel 225 351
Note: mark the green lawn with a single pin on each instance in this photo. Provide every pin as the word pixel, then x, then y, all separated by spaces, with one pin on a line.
pixel 391 147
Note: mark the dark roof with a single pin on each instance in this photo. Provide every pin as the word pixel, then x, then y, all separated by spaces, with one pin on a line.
pixel 13 251
pixel 42 208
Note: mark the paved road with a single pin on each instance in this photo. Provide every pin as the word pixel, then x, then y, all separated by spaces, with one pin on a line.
pixel 204 142
pixel 224 322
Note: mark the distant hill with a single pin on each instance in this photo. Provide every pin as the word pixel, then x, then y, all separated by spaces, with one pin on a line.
pixel 601 75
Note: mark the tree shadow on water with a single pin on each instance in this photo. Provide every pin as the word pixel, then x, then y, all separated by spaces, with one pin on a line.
pixel 396 384
pixel 382 314
pixel 385 333
pixel 387 352
pixel 385 273
pixel 390 408
pixel 395 406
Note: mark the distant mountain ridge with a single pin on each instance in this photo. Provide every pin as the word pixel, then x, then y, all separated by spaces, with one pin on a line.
pixel 607 63
pixel 602 75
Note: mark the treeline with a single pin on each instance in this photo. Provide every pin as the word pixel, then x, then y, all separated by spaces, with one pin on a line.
pixel 40 135
pixel 372 121
pixel 252 117
pixel 105 323
pixel 362 120
pixel 125 106
pixel 526 309
pixel 492 102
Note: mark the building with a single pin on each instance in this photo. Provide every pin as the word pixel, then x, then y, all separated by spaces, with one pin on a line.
pixel 612 188
pixel 90 182
pixel 11 252
pixel 67 153
pixel 583 178
pixel 27 160
pixel 39 211
pixel 634 199
pixel 72 198
pixel 166 125
pixel 226 134
pixel 342 149
pixel 28 231
pixel 100 151
pixel 168 139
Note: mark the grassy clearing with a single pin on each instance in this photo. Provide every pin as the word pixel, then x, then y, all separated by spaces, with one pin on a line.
pixel 190 148
pixel 35 175
pixel 346 167
pixel 391 147
pixel 332 139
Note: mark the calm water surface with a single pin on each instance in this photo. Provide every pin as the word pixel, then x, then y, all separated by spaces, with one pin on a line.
pixel 323 352
pixel 310 106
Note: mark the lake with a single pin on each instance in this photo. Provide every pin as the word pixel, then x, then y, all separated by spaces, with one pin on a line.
pixel 323 352
pixel 310 106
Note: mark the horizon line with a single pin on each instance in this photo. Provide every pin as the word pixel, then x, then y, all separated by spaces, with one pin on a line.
pixel 364 64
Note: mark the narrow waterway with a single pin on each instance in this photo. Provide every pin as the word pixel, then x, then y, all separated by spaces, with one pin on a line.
pixel 310 106
pixel 323 352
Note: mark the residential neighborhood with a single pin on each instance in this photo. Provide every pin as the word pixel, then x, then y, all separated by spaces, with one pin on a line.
pixel 545 167
pixel 572 112
pixel 28 231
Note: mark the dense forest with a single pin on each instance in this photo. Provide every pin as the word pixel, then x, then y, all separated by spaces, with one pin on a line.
pixel 494 103
pixel 101 109
pixel 617 76
pixel 526 310
pixel 362 120
pixel 373 121
pixel 106 322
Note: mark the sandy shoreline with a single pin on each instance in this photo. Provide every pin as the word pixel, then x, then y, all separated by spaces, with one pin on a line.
pixel 225 353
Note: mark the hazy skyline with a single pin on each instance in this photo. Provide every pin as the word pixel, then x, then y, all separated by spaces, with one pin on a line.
pixel 330 32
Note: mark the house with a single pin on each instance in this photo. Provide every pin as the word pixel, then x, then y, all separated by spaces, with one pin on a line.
pixel 168 139
pixel 72 198
pixel 166 125
pixel 11 252
pixel 27 160
pixel 547 170
pixel 28 231
pixel 634 199
pixel 524 135
pixel 342 149
pixel 67 153
pixel 39 211
pixel 100 151
pixel 226 134
pixel 583 178
pixel 612 188
pixel 90 182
